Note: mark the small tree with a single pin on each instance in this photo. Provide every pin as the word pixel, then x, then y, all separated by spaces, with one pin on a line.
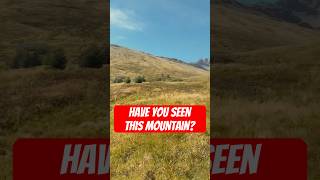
pixel 93 57
pixel 127 80
pixel 56 59
pixel 139 79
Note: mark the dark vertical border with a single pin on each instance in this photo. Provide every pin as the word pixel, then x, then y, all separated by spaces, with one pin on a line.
pixel 107 45
pixel 211 65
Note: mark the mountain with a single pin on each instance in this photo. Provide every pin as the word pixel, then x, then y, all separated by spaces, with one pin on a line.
pixel 303 12
pixel 128 62
pixel 238 28
pixel 243 33
pixel 203 64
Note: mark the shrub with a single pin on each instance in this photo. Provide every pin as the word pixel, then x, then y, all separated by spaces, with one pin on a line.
pixel 28 55
pixel 121 79
pixel 127 80
pixel 118 79
pixel 139 79
pixel 31 55
pixel 56 59
pixel 93 57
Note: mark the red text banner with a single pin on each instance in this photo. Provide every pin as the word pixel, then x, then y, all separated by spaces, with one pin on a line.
pixel 258 159
pixel 61 159
pixel 157 118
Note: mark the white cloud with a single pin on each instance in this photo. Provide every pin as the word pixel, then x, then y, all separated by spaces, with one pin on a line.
pixel 124 19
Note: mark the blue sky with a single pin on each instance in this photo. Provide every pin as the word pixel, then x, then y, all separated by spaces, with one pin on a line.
pixel 172 28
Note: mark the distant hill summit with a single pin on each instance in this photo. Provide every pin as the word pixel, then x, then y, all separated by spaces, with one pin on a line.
pixel 239 28
pixel 203 64
pixel 302 12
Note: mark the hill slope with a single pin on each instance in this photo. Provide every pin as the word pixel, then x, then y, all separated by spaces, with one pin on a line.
pixel 126 62
pixel 69 24
pixel 303 12
pixel 239 29
pixel 266 79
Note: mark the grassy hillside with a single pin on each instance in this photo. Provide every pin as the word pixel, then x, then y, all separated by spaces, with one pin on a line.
pixel 268 84
pixel 43 102
pixel 237 29
pixel 69 24
pixel 126 62
pixel 158 156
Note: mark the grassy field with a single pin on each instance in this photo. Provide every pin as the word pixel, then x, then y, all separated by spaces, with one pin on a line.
pixel 269 87
pixel 269 102
pixel 266 84
pixel 158 156
pixel 44 103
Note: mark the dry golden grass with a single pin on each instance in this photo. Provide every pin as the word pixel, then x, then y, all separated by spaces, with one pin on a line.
pixel 269 86
pixel 43 103
pixel 161 156
pixel 158 156
pixel 126 62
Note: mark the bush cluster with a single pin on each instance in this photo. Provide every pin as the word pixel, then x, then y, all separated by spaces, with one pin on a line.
pixel 139 79
pixel 121 79
pixel 31 55
pixel 36 54
pixel 124 79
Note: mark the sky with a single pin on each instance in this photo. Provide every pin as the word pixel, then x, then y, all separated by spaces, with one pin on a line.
pixel 171 28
